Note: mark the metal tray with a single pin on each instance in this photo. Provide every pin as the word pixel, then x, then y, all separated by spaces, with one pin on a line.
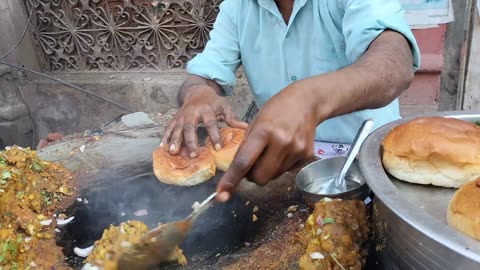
pixel 410 225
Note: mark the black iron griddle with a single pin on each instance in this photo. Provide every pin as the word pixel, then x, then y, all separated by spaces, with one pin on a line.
pixel 115 193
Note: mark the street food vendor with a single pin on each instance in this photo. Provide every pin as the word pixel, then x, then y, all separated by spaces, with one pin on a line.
pixel 317 70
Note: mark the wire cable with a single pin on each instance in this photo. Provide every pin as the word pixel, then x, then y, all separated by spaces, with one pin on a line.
pixel 21 38
pixel 68 84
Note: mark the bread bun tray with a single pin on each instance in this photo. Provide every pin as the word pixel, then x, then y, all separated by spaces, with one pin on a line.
pixel 409 220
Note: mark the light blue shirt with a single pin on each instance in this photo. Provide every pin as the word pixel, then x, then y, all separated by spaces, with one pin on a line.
pixel 321 36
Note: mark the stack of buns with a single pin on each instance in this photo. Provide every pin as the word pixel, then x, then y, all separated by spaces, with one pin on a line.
pixel 182 170
pixel 442 152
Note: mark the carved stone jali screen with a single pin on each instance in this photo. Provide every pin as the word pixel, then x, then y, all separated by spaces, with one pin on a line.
pixel 120 35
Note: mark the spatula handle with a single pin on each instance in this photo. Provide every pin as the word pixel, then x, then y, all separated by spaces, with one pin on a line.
pixel 354 149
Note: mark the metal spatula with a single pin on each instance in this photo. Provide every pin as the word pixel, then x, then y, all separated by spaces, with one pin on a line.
pixel 158 245
pixel 338 184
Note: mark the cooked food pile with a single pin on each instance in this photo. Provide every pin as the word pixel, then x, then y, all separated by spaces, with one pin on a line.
pixel 116 240
pixel 30 192
pixel 433 150
pixel 335 236
pixel 182 170
pixel 464 209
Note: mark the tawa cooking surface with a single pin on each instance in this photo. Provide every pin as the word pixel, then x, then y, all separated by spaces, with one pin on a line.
pixel 411 219
pixel 115 176
pixel 116 197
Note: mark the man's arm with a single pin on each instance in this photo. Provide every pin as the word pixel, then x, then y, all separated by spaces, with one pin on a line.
pixel 379 76
pixel 383 62
pixel 212 73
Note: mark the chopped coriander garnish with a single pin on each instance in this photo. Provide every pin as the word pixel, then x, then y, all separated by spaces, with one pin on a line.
pixel 20 194
pixel 47 196
pixel 36 166
pixel 6 175
pixel 328 221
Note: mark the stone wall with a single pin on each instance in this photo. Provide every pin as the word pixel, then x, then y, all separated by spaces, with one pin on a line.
pixel 59 108
pixel 15 124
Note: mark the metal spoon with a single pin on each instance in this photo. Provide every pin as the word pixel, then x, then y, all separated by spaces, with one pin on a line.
pixel 160 244
pixel 338 185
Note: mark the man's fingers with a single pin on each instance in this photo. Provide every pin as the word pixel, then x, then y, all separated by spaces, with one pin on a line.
pixel 233 121
pixel 268 165
pixel 288 163
pixel 244 160
pixel 190 134
pixel 211 124
pixel 167 134
pixel 177 137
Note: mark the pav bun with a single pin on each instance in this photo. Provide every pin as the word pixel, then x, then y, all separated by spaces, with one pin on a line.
pixel 181 170
pixel 232 138
pixel 464 210
pixel 433 150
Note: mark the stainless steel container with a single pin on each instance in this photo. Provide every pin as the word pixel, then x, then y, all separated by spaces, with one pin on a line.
pixel 410 225
pixel 320 172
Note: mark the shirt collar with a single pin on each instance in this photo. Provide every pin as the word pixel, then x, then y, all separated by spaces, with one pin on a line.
pixel 272 7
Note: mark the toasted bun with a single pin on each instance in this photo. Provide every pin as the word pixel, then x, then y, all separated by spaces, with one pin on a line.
pixel 232 138
pixel 181 170
pixel 433 150
pixel 464 210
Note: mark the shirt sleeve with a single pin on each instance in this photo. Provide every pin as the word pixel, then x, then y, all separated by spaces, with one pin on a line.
pixel 221 56
pixel 365 20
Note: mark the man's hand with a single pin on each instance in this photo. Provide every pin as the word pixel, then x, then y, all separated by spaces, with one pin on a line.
pixel 202 104
pixel 282 134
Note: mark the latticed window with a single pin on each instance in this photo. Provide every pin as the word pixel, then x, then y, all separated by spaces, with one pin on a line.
pixel 119 35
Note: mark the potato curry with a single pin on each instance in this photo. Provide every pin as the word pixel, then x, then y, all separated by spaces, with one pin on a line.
pixel 30 192
pixel 335 236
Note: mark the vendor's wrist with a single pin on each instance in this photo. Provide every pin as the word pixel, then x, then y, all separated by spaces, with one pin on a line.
pixel 196 91
pixel 318 101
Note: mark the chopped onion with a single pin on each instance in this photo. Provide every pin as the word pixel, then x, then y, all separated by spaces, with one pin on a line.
pixel 64 221
pixel 289 215
pixel 125 244
pixel 317 256
pixel 79 199
pixel 195 205
pixel 28 239
pixel 57 230
pixel 122 230
pixel 292 208
pixel 83 252
pixel 33 264
pixel 367 200
pixel 326 199
pixel 320 221
pixel 141 213
pixel 46 222
pixel 82 148
pixel 85 201
pixel 319 231
pixel 89 266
